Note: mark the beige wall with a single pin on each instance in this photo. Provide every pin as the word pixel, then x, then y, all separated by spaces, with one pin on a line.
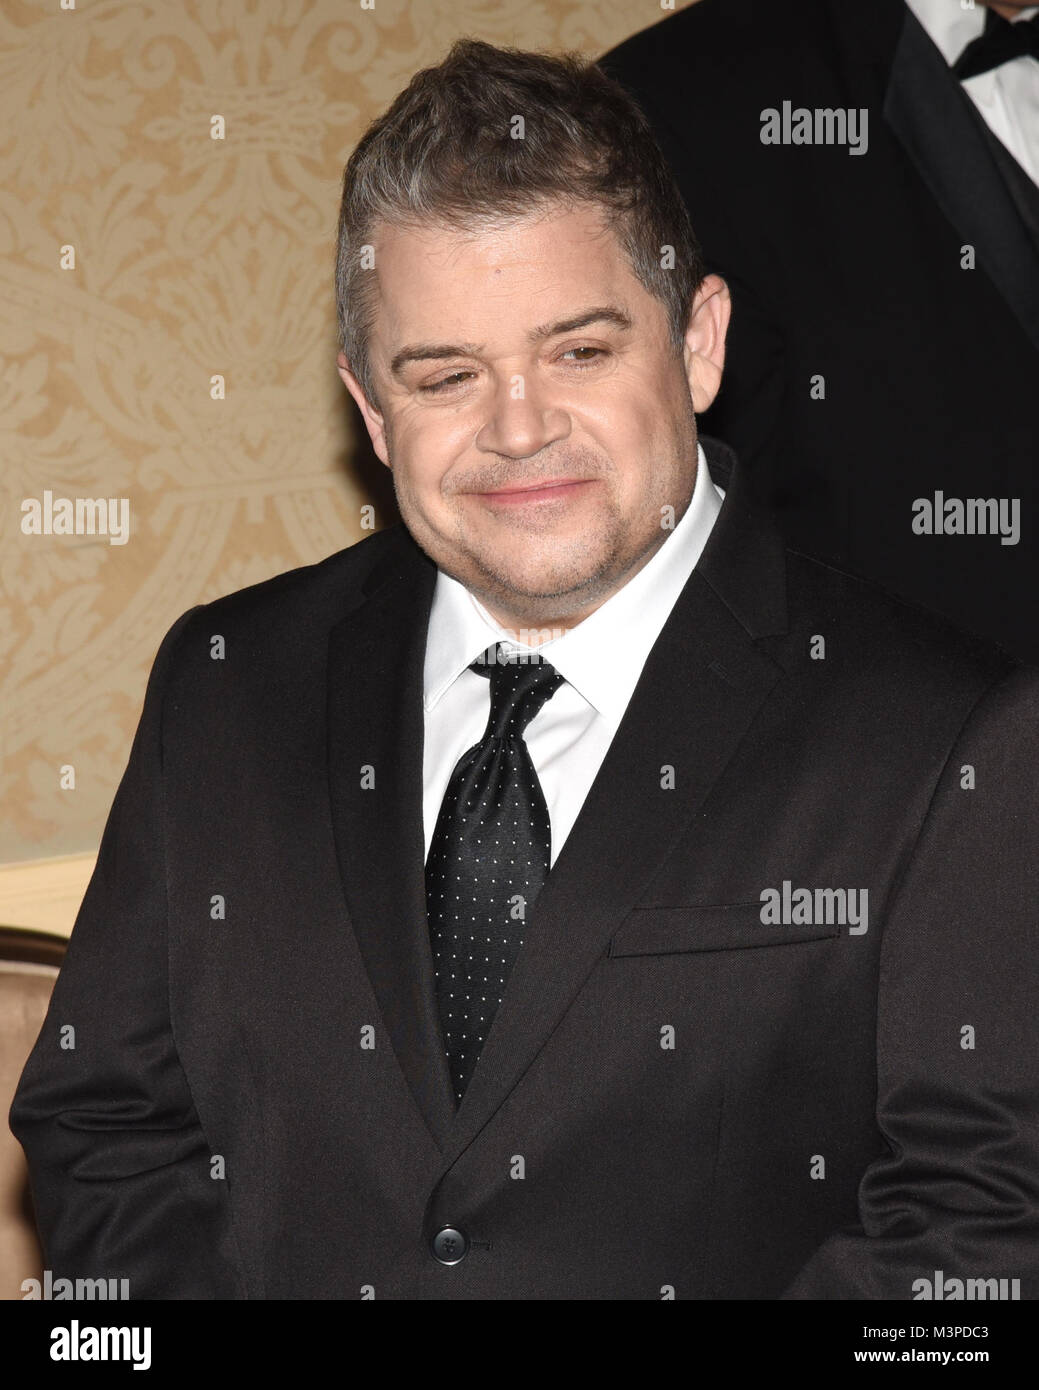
pixel 193 257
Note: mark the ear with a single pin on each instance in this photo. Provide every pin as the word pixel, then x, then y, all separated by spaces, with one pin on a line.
pixel 372 417
pixel 704 350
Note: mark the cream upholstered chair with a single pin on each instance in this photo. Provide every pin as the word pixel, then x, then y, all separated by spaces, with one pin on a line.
pixel 29 963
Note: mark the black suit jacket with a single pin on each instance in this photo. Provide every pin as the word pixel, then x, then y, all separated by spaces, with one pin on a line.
pixel 849 267
pixel 813 1127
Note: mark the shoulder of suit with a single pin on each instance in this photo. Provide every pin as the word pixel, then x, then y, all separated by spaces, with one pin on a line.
pixel 309 600
pixel 724 39
pixel 879 638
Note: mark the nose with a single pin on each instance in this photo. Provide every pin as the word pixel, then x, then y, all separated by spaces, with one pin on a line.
pixel 521 419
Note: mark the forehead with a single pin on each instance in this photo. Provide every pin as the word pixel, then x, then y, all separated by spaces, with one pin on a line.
pixel 435 277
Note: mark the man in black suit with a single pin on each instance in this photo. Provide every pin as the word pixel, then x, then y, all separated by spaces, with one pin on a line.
pixel 884 267
pixel 572 893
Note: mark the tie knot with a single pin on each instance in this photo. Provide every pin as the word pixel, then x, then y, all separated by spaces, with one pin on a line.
pixel 520 685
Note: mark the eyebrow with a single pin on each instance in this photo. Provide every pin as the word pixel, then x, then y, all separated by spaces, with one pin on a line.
pixel 425 352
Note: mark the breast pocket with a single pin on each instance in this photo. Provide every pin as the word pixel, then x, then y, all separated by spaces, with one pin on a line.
pixel 662 931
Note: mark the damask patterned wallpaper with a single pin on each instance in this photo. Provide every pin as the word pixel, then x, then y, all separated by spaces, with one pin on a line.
pixel 167 334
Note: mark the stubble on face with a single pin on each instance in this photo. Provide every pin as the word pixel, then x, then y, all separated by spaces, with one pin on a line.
pixel 538 574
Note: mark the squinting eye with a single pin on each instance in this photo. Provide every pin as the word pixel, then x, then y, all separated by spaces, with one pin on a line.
pixel 446 381
pixel 438 385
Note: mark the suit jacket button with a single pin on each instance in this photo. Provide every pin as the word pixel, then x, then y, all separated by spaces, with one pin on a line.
pixel 450 1245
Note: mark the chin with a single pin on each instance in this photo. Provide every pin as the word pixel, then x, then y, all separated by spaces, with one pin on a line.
pixel 536 584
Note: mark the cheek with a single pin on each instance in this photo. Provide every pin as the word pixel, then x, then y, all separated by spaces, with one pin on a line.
pixel 625 425
pixel 641 446
pixel 426 450
pixel 418 474
pixel 431 442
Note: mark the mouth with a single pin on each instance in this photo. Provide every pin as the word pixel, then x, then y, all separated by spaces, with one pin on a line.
pixel 521 494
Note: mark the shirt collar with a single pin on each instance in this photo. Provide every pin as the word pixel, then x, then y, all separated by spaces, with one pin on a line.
pixel 951 28
pixel 603 656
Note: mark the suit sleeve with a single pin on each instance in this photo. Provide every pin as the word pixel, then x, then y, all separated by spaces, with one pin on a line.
pixel 118 1161
pixel 956 1190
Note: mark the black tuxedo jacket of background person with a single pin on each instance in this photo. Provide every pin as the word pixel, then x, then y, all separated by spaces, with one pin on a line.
pixel 675 1094
pixel 849 267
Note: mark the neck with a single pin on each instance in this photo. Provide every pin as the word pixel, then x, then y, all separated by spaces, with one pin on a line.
pixel 536 627
pixel 533 629
pixel 1006 11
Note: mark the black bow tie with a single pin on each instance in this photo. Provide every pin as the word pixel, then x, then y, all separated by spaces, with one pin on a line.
pixel 1000 42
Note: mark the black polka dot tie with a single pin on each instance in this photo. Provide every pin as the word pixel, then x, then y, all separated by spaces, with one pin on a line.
pixel 488 859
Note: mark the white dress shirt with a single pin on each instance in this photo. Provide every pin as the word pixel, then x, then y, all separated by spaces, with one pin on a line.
pixel 1007 96
pixel 600 660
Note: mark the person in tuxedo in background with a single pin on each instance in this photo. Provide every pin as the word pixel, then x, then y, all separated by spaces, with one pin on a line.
pixel 885 330
pixel 571 892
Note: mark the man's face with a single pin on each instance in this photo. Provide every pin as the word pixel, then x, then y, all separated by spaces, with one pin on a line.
pixel 536 419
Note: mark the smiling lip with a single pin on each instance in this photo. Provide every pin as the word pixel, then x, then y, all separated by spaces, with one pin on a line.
pixel 554 487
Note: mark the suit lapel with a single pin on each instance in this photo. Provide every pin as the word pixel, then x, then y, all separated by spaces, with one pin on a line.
pixel 933 118
pixel 702 685
pixel 375 720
